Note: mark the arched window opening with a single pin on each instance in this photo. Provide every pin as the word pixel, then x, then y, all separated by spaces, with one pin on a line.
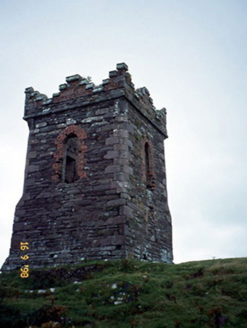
pixel 149 174
pixel 70 159
pixel 147 161
pixel 70 155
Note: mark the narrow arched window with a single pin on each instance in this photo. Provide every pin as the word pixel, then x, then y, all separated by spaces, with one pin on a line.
pixel 69 156
pixel 149 171
pixel 147 161
pixel 70 159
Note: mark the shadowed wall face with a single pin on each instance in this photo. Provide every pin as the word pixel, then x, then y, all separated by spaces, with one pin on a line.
pixel 95 179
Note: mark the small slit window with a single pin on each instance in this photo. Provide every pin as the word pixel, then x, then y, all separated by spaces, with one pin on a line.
pixel 70 159
pixel 149 174
pixel 147 162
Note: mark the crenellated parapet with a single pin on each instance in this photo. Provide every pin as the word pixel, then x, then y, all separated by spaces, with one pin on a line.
pixel 82 91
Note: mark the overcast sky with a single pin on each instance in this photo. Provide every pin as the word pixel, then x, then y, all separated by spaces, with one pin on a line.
pixel 190 54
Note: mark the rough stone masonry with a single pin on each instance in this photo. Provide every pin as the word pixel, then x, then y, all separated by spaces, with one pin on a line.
pixel 95 178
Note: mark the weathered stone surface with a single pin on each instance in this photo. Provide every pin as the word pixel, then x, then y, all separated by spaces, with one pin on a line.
pixel 95 180
pixel 112 140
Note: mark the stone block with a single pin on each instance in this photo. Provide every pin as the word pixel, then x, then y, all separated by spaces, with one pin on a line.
pixel 112 169
pixel 112 141
pixel 112 154
pixel 121 133
pixel 102 111
pixel 126 211
pixel 122 66
pixel 33 168
pixel 32 154
pixel 116 202
pixel 121 176
pixel 121 161
pixel 40 125
pixel 92 119
pixel 113 74
pixel 127 169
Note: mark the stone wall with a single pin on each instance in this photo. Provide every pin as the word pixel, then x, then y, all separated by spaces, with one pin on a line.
pixel 95 181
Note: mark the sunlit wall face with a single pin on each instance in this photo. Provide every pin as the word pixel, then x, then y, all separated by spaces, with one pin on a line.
pixel 190 55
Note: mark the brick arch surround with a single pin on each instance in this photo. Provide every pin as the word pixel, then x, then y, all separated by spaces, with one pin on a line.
pixel 59 154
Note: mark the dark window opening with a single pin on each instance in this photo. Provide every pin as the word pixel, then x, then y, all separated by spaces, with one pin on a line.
pixel 70 169
pixel 148 170
pixel 147 162
pixel 70 159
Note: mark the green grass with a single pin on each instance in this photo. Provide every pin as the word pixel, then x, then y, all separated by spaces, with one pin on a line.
pixel 128 294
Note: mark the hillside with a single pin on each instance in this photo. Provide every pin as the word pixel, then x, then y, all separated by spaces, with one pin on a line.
pixel 128 294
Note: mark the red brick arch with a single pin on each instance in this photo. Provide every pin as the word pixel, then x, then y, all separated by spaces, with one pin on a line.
pixel 59 154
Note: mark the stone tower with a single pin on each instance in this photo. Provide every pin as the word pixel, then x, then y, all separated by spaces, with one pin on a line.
pixel 95 179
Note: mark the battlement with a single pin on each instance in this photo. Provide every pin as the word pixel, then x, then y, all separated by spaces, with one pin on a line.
pixel 81 91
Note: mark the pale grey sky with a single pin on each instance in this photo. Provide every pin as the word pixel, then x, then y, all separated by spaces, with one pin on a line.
pixel 190 54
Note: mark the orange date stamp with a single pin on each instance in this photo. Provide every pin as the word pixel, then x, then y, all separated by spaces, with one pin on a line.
pixel 24 271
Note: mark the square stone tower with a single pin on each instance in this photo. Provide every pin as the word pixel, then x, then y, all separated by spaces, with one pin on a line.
pixel 95 178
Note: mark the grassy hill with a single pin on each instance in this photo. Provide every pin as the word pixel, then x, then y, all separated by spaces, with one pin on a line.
pixel 128 294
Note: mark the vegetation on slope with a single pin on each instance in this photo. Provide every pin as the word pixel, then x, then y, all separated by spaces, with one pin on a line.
pixel 128 294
